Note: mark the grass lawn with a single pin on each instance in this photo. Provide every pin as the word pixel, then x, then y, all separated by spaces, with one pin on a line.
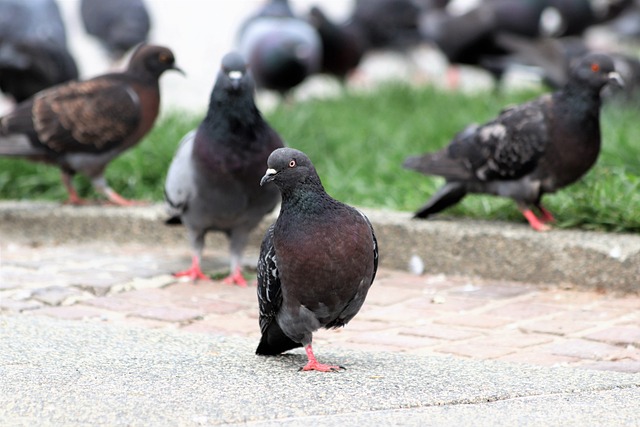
pixel 358 143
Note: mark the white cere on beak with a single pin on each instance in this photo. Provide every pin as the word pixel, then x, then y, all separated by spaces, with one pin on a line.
pixel 235 75
pixel 271 171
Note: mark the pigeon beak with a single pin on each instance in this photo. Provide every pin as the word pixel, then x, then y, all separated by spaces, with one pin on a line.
pixel 614 76
pixel 268 176
pixel 235 77
pixel 180 70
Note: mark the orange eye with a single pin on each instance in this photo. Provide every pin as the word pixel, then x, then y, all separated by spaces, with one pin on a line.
pixel 292 164
pixel 164 57
pixel 595 67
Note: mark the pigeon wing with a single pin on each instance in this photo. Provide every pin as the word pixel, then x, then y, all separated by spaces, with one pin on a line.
pixel 91 116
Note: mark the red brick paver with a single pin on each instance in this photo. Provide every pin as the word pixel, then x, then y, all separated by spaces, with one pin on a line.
pixel 432 314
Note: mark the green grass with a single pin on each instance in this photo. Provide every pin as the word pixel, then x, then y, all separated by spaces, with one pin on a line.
pixel 358 143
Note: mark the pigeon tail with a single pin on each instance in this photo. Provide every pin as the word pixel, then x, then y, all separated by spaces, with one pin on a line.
pixel 448 195
pixel 438 164
pixel 274 341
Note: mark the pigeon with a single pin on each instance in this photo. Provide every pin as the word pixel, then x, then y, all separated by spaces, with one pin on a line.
pixel 119 25
pixel 82 126
pixel 213 180
pixel 33 48
pixel 282 49
pixel 528 150
pixel 388 24
pixel 317 261
pixel 468 38
pixel 343 45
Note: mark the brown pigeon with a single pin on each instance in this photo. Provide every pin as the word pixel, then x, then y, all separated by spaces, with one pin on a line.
pixel 317 261
pixel 528 150
pixel 82 126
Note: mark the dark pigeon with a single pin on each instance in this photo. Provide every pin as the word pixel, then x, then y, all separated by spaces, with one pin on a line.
pixel 468 38
pixel 388 24
pixel 317 261
pixel 528 150
pixel 119 25
pixel 213 180
pixel 33 48
pixel 281 49
pixel 574 17
pixel 82 126
pixel 343 45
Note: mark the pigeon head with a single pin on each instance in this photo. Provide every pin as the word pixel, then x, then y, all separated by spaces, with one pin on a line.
pixel 596 70
pixel 153 59
pixel 234 74
pixel 289 168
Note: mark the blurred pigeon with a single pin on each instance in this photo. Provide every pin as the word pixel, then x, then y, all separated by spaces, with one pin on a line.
pixel 119 25
pixel 528 150
pixel 82 126
pixel 213 180
pixel 388 24
pixel 281 49
pixel 553 58
pixel 317 261
pixel 573 17
pixel 468 38
pixel 33 48
pixel 343 45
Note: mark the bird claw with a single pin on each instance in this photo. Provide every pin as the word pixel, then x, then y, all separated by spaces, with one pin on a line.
pixel 321 367
pixel 236 278
pixel 193 275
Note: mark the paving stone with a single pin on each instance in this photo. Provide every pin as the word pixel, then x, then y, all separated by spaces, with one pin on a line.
pixel 482 321
pixel 225 325
pixel 628 366
pixel 618 335
pixel 56 295
pixel 475 351
pixel 495 290
pixel 387 295
pixel 523 310
pixel 556 326
pixel 511 339
pixel 117 303
pixel 445 303
pixel 440 332
pixel 70 312
pixel 169 314
pixel 535 357
pixel 584 349
pixel 393 340
pixel 8 304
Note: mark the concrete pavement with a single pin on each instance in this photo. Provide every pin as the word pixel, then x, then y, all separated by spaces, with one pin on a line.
pixel 95 330
pixel 71 373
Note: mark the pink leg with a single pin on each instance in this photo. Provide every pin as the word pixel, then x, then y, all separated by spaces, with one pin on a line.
pixel 453 77
pixel 546 215
pixel 73 199
pixel 236 278
pixel 194 273
pixel 313 365
pixel 118 200
pixel 534 222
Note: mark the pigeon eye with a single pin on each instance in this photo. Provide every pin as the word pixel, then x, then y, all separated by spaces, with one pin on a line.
pixel 595 68
pixel 165 58
pixel 292 164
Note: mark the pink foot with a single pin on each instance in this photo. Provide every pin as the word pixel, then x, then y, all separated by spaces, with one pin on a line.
pixel 118 200
pixel 194 273
pixel 314 365
pixel 534 222
pixel 236 278
pixel 546 215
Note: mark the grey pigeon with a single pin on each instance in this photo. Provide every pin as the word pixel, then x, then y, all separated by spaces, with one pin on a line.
pixel 119 25
pixel 317 261
pixel 82 126
pixel 33 48
pixel 281 48
pixel 528 150
pixel 213 180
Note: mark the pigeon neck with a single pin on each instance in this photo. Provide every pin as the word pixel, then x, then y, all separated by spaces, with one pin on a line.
pixel 306 197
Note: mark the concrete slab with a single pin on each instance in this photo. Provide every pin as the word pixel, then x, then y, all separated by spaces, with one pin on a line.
pixel 70 373
pixel 493 250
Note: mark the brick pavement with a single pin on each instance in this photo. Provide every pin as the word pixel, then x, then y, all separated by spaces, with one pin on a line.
pixel 430 314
